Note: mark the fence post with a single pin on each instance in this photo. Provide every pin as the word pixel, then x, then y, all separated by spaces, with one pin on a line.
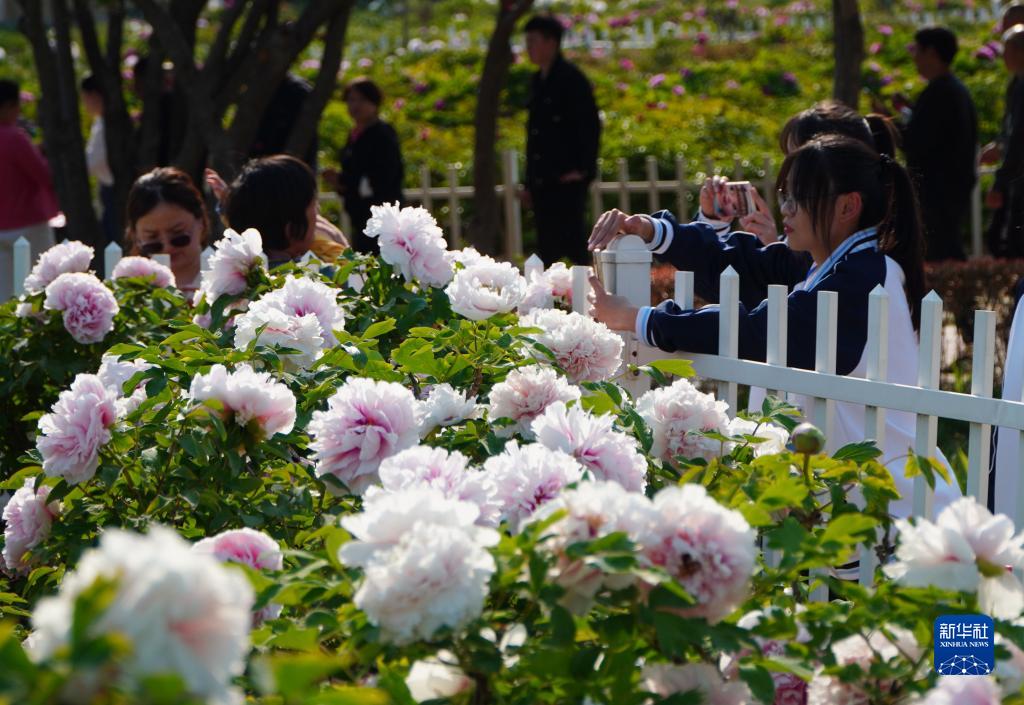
pixel 737 168
pixel 111 256
pixel 204 258
pixel 623 185
pixel 22 265
pixel 684 290
pixel 580 288
pixel 455 219
pixel 533 266
pixel 652 184
pixel 729 329
pixel 874 417
pixel 681 186
pixel 981 386
pixel 778 329
pixel 825 361
pixel 513 218
pixel 927 378
pixel 630 263
pixel 427 201
pixel 976 245
pixel 596 201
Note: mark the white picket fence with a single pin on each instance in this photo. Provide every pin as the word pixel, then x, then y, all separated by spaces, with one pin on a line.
pixel 626 271
pixel 445 201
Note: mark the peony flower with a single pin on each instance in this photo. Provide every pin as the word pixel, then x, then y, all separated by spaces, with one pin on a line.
pixel 235 255
pixel 674 413
pixel 365 422
pixel 706 548
pixel 664 680
pixel 537 296
pixel 444 406
pixel 60 259
pixel 87 305
pixel 426 565
pixel 249 397
pixel 1010 672
pixel 437 677
pixel 467 256
pixel 157 274
pixel 967 549
pixel 301 333
pixel 486 288
pixel 248 547
pixel 957 690
pixel 182 611
pixel 411 241
pixel 592 510
pixel 790 689
pixel 775 437
pixel 27 520
pixel 301 296
pixel 524 395
pixel 114 373
pixel 605 453
pixel 586 349
pixel 71 435
pixel 527 476
pixel 423 466
pixel 856 650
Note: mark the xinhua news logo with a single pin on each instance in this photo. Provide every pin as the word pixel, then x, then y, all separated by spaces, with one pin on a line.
pixel 964 645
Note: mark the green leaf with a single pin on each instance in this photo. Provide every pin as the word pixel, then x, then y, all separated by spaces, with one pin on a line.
pixel 848 528
pixel 858 452
pixel 350 695
pixel 375 330
pixel 759 679
pixel 297 639
pixel 294 676
pixel 677 367
pixel 928 467
pixel 783 492
pixel 563 626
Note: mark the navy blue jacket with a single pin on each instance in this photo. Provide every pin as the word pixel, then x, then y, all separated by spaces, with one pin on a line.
pixel 695 247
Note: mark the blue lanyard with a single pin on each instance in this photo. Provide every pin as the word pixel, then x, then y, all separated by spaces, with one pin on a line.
pixel 866 239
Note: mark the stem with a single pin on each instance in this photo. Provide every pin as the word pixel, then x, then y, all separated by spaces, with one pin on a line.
pixel 808 476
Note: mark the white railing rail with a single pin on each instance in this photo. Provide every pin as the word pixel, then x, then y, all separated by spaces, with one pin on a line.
pixel 623 273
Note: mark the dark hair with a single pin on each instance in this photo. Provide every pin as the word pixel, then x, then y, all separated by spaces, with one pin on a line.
pixel 10 92
pixel 272 195
pixel 833 117
pixel 831 165
pixel 942 40
pixel 366 88
pixel 546 26
pixel 164 184
pixel 90 84
pixel 1012 14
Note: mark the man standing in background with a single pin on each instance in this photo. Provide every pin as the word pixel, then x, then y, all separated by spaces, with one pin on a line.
pixel 562 138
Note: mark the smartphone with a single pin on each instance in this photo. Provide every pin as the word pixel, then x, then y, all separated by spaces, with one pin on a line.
pixel 742 197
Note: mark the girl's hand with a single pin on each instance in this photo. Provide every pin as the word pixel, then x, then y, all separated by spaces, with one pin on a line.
pixel 760 222
pixel 216 184
pixel 614 311
pixel 613 223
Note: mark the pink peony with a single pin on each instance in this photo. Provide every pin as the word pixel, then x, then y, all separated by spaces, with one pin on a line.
pixel 248 397
pixel 272 327
pixel 411 241
pixel 606 454
pixel 301 296
pixel 967 548
pixel 524 395
pixel 235 255
pixel 586 349
pixel 860 651
pixel 160 275
pixel 72 433
pixel 365 422
pixel 674 413
pixel 250 548
pixel 60 259
pixel 592 510
pixel 706 548
pixel 668 679
pixel 423 466
pixel 957 690
pixel 790 689
pixel 486 288
pixel 27 520
pixel 525 477
pixel 88 306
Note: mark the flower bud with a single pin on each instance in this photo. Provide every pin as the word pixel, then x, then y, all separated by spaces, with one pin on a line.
pixel 807 439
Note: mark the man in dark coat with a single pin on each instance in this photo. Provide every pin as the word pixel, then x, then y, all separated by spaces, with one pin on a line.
pixel 1006 233
pixel 562 138
pixel 941 142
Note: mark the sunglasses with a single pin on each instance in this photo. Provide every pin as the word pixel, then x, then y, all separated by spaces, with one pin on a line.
pixel 157 246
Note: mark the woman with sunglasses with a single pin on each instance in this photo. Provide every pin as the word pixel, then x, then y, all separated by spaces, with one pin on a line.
pixel 166 215
pixel 855 213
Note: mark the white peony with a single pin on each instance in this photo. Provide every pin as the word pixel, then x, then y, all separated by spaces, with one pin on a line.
pixel 247 397
pixel 444 406
pixel 486 288
pixel 525 394
pixel 668 679
pixel 72 256
pixel 959 690
pixel 302 296
pixel 437 677
pixel 527 476
pixel 775 437
pixel 605 453
pixel 114 373
pixel 586 349
pixel 860 651
pixel 182 611
pixel 675 414
pixel 301 333
pixel 235 255
pixel 411 241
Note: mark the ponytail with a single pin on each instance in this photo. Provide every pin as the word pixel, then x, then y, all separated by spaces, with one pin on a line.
pixel 899 233
pixel 883 134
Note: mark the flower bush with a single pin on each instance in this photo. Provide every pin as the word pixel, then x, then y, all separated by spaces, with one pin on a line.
pixel 441 505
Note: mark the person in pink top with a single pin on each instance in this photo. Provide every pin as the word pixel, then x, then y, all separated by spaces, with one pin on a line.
pixel 27 199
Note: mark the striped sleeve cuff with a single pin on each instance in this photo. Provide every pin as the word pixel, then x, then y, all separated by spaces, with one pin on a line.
pixel 721 227
pixel 643 317
pixel 662 236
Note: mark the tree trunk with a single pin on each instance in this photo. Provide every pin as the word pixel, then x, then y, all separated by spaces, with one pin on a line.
pixel 486 227
pixel 849 51
pixel 62 134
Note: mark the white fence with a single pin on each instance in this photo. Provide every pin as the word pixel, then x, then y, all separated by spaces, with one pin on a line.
pixel 445 201
pixel 626 272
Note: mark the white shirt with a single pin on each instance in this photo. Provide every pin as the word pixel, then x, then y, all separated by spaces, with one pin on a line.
pixel 96 154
